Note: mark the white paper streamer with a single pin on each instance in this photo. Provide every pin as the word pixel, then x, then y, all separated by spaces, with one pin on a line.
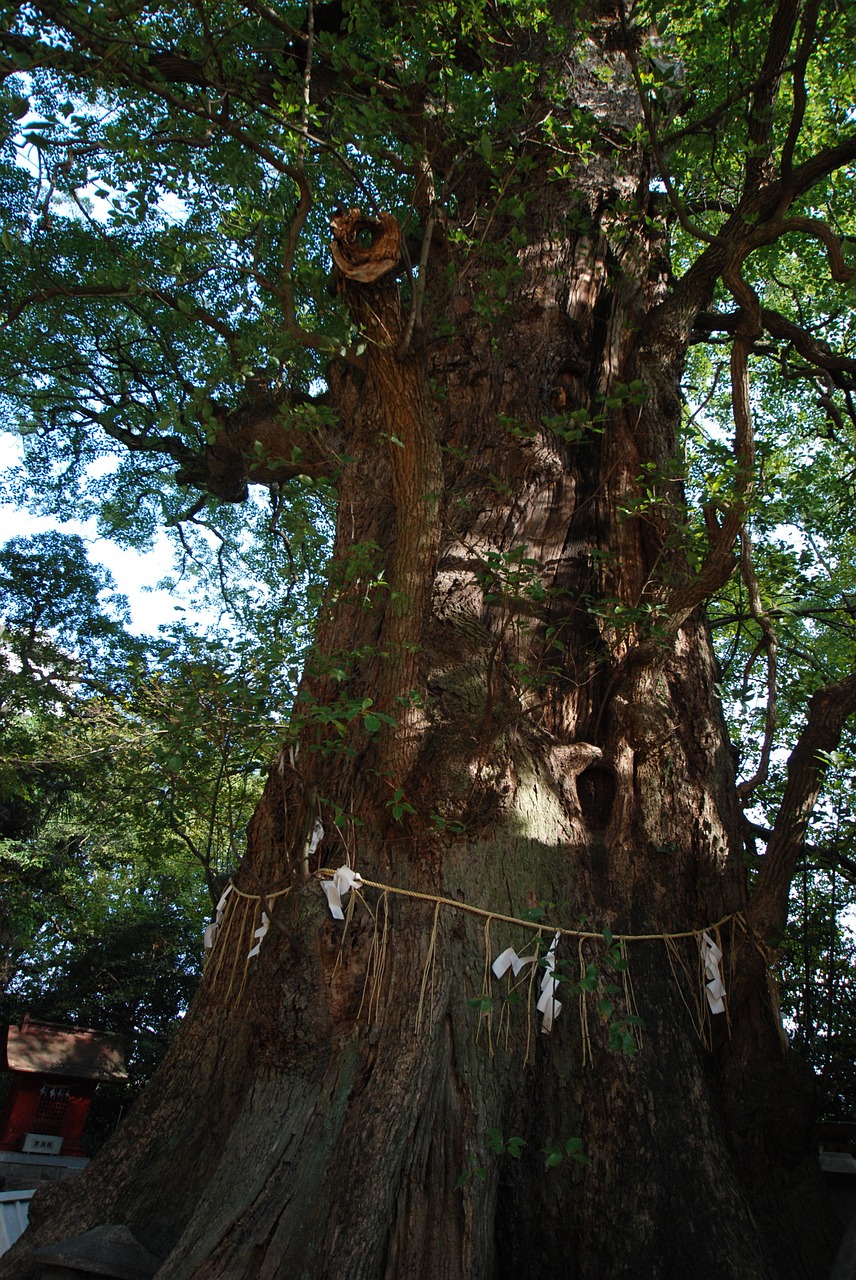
pixel 315 839
pixel 210 935
pixel 338 888
pixel 334 901
pixel 259 935
pixel 509 959
pixel 714 988
pixel 547 1004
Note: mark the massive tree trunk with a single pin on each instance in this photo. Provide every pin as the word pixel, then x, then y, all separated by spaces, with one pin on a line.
pixel 511 707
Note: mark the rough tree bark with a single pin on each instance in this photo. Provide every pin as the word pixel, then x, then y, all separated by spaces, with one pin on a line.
pixel 509 588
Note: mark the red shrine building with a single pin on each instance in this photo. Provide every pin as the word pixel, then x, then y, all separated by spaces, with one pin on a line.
pixel 55 1070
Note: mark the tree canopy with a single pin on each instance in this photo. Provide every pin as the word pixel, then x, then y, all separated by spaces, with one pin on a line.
pixel 167 188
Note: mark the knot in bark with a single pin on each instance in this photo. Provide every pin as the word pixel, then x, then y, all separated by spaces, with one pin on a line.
pixel 364 248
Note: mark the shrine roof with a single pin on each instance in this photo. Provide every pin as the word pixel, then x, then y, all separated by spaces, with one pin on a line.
pixel 51 1048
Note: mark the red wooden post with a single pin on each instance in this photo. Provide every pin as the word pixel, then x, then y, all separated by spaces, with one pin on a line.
pixel 54 1073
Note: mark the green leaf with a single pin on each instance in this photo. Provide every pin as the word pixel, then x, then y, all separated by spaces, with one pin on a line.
pixel 496 1141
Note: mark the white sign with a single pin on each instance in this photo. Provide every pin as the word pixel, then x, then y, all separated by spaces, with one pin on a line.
pixel 42 1144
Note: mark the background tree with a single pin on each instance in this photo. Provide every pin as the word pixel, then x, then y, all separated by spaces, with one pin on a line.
pixel 129 768
pixel 512 700
pixel 776 650
pixel 817 986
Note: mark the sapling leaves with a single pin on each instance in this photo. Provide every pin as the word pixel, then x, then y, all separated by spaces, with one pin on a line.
pixel 571 1149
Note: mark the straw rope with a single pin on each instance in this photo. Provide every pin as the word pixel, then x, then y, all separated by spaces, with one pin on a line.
pixel 536 926
pixel 246 908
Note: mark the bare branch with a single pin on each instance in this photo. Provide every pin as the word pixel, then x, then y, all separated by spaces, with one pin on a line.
pixel 841 368
pixel 719 562
pixel 769 644
pixel 774 229
pixel 429 200
pixel 680 208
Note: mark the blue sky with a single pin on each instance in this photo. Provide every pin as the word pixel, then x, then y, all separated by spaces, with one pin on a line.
pixel 135 574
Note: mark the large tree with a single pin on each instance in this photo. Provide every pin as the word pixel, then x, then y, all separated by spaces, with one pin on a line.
pixel 511 704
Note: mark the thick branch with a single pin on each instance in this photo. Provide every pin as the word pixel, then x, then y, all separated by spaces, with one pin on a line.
pixel 169 446
pixel 756 221
pixel 807 38
pixel 828 710
pixel 780 37
pixel 131 290
pixel 817 167
pixel 815 351
pixel 775 228
pixel 266 441
pixel 821 613
pixel 715 571
pixel 821 856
